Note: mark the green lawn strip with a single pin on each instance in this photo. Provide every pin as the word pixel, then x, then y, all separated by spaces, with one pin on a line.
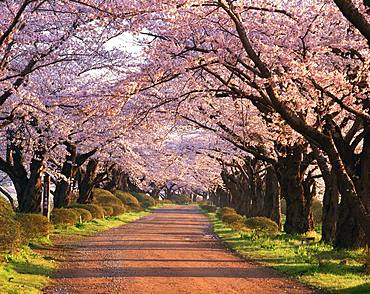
pixel 317 265
pixel 99 225
pixel 28 272
pixel 24 272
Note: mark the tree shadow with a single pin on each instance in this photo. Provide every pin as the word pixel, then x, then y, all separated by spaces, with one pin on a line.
pixel 191 272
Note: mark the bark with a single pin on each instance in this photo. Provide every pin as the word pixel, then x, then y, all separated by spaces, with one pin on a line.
pixel 88 180
pixel 28 187
pixel 353 15
pixel 236 185
pixel 118 180
pixel 272 207
pixel 224 197
pixel 352 212
pixel 63 195
pixel 330 199
pixel 290 177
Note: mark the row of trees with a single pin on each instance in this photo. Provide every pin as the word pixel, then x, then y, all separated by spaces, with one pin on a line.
pixel 287 83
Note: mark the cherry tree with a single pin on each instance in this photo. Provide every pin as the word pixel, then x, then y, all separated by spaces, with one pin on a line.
pixel 314 78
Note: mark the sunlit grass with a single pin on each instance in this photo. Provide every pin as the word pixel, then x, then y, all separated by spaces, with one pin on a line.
pixel 98 225
pixel 29 272
pixel 24 272
pixel 315 264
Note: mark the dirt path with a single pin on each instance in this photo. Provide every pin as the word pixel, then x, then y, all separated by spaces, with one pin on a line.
pixel 170 251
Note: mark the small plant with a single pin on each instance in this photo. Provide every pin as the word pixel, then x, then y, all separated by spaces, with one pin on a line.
pixel 10 230
pixel 84 214
pixel 262 225
pixel 105 198
pixel 225 210
pixel 34 225
pixel 118 210
pixel 108 211
pixel 128 200
pixel 144 199
pixel 234 219
pixel 64 216
pixel 95 210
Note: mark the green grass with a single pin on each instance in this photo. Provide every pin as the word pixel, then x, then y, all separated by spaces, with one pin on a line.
pixel 29 272
pixel 316 264
pixel 24 272
pixel 98 225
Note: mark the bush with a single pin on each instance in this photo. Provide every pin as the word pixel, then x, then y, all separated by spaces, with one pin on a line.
pixel 10 229
pixel 105 198
pixel 262 224
pixel 225 210
pixel 207 207
pixel 108 211
pixel 95 210
pixel 316 208
pixel 181 199
pixel 118 210
pixel 166 201
pixel 64 216
pixel 34 225
pixel 144 199
pixel 233 218
pixel 83 213
pixel 128 200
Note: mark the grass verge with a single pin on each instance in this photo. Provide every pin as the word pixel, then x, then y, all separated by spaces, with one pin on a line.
pixel 316 264
pixel 29 272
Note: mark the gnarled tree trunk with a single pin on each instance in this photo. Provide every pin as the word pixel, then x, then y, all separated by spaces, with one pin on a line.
pixel 290 177
pixel 272 207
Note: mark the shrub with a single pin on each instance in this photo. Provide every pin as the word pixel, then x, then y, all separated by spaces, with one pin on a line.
pixel 128 200
pixel 10 229
pixel 232 218
pixel 108 211
pixel 144 199
pixel 83 213
pixel 225 210
pixel 95 210
pixel 166 201
pixel 34 225
pixel 105 198
pixel 262 224
pixel 181 199
pixel 64 216
pixel 118 210
pixel 316 208
pixel 207 207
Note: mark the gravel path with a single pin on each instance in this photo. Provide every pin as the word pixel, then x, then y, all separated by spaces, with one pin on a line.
pixel 168 252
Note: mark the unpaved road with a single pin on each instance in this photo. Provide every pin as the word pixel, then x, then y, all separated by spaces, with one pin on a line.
pixel 168 252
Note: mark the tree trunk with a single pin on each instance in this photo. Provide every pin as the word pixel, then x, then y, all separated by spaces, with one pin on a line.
pixel 330 200
pixel 291 184
pixel 224 197
pixel 272 207
pixel 62 192
pixel 86 182
pixel 32 191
